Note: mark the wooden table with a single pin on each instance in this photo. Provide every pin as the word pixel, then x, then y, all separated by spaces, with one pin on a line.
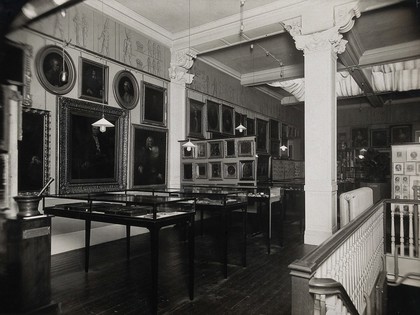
pixel 105 208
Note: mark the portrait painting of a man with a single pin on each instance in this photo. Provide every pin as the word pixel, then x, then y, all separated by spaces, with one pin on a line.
pixel 126 89
pixel 149 157
pixel 94 81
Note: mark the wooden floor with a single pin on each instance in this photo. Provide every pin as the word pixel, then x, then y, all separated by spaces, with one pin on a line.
pixel 115 285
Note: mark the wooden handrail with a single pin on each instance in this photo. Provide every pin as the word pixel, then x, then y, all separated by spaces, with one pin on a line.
pixel 327 286
pixel 310 262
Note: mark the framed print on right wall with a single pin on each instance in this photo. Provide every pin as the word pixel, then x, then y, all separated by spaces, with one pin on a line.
pixel 400 134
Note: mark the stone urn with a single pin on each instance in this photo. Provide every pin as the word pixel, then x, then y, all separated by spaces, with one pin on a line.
pixel 28 204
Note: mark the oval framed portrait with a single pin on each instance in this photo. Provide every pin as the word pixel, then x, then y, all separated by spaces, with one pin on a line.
pixel 126 89
pixel 49 68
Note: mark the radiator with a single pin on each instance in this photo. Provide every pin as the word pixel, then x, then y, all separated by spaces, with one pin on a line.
pixel 354 202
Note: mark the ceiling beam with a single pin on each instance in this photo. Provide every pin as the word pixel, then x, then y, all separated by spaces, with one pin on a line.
pixel 350 59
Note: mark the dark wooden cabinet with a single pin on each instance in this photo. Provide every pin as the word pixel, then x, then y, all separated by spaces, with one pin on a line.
pixel 25 261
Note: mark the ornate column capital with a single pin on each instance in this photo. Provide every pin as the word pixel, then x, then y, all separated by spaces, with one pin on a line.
pixel 325 40
pixel 344 16
pixel 181 62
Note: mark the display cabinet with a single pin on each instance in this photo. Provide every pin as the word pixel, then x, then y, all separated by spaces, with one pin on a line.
pixel 405 171
pixel 262 195
pixel 228 161
pixel 130 209
pixel 211 200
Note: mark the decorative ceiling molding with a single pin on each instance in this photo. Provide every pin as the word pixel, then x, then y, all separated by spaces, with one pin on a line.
pixel 408 50
pixel 259 17
pixel 270 75
pixel 181 62
pixel 220 66
pixel 344 16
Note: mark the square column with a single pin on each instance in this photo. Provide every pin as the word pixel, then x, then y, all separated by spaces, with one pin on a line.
pixel 181 62
pixel 320 146
pixel 320 51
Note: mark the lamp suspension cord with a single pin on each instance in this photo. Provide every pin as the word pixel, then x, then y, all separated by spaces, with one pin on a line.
pixel 189 27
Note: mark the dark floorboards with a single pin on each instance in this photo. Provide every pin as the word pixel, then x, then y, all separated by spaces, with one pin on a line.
pixel 115 285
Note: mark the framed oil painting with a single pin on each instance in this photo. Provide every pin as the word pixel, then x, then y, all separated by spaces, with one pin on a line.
pixel 17 69
pixel 49 67
pixel 154 105
pixel 216 149
pixel 359 137
pixel 379 138
pixel 246 170
pixel 201 150
pixel 215 170
pixel 34 150
pixel 227 119
pixel 126 89
pixel 201 170
pixel 261 135
pixel 250 127
pixel 93 81
pixel 275 147
pixel 274 129
pixel 187 171
pixel 91 161
pixel 245 148
pixel 230 170
pixel 400 134
pixel 195 121
pixel 149 156
pixel 263 167
pixel 213 116
pixel 230 148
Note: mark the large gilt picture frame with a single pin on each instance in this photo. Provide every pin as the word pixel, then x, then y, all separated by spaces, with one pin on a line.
pixel 149 154
pixel 91 161
pixel 34 150
pixel 154 104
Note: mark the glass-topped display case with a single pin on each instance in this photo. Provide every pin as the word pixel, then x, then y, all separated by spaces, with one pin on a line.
pixel 126 204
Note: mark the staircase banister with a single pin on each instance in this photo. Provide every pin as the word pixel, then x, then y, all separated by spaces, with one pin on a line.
pixel 327 286
pixel 310 262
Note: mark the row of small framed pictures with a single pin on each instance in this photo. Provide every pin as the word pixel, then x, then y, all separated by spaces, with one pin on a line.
pixel 403 186
pixel 406 154
pixel 407 168
pixel 219 170
pixel 93 84
pixel 377 138
pixel 220 149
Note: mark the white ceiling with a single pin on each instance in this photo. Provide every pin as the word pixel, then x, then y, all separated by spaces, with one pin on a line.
pixel 387 31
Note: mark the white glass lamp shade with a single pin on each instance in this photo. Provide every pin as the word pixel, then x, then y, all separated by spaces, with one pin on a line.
pixel 283 148
pixel 189 145
pixel 241 128
pixel 102 124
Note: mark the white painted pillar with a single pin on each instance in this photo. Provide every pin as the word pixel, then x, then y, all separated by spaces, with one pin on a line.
pixel 320 52
pixel 180 63
pixel 320 136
